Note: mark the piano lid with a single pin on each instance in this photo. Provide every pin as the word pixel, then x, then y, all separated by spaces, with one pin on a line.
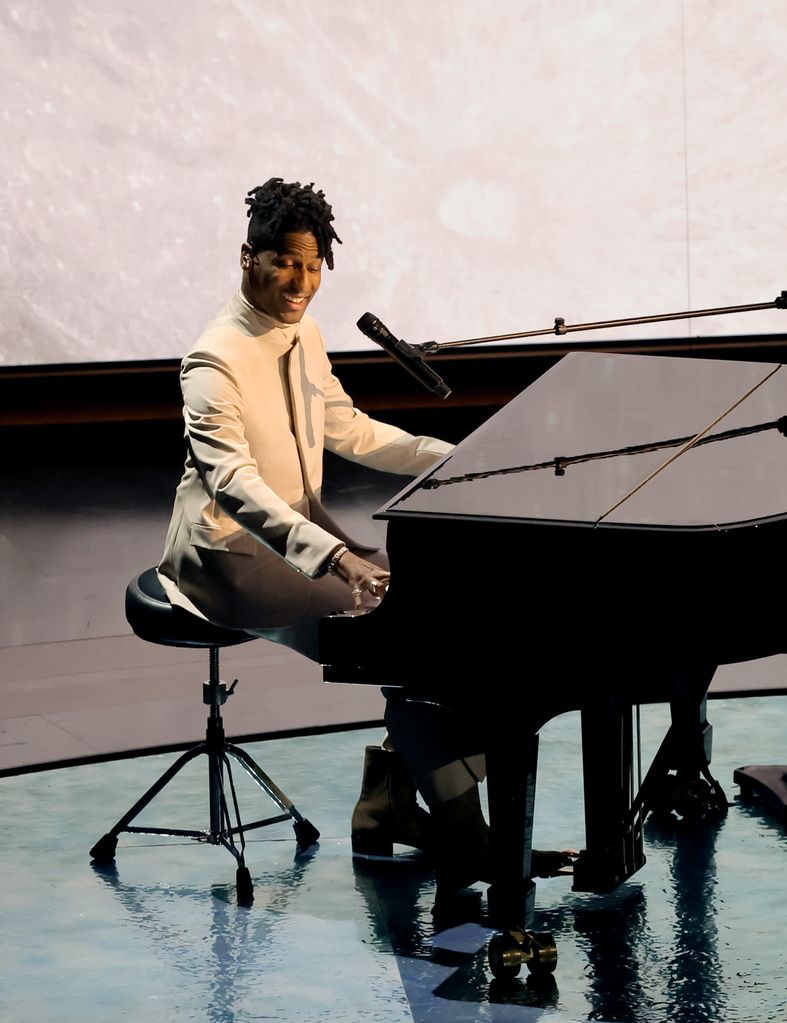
pixel 591 410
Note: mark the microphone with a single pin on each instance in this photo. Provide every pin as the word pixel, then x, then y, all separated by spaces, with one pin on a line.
pixel 404 354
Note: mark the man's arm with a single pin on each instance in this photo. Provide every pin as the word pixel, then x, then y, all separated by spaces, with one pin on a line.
pixel 213 411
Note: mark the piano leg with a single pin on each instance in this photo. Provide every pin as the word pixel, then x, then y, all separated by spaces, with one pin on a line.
pixel 678 780
pixel 613 839
pixel 511 787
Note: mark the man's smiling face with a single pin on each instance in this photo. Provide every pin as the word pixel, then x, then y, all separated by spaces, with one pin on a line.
pixel 282 283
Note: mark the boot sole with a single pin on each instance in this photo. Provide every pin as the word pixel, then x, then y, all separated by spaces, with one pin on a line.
pixel 368 845
pixel 372 845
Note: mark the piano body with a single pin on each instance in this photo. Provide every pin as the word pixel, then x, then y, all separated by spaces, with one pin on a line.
pixel 577 552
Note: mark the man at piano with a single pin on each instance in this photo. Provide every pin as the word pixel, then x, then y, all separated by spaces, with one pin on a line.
pixel 250 545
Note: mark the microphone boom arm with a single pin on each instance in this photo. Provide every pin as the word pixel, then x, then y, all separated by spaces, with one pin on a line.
pixel 561 327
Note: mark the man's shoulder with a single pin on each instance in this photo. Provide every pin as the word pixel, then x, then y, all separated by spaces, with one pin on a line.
pixel 309 330
pixel 225 329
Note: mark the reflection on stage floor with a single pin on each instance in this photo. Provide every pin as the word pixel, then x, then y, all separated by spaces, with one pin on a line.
pixel 697 936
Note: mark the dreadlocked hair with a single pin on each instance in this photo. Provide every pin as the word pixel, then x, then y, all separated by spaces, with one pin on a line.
pixel 276 208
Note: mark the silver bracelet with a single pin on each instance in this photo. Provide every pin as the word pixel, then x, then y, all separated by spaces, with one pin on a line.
pixel 336 557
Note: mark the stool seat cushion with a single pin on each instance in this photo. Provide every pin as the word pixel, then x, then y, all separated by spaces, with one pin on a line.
pixel 154 618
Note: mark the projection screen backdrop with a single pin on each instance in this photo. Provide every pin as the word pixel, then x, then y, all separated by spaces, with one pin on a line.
pixel 491 165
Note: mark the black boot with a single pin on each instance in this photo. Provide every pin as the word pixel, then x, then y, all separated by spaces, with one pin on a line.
pixel 387 810
pixel 462 845
pixel 463 848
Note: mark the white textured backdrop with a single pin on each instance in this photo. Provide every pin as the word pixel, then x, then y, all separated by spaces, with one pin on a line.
pixel 491 165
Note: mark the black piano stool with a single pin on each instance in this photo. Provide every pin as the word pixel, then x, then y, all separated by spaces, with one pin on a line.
pixel 155 619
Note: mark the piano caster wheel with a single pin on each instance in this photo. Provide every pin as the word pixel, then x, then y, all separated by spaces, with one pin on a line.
pixel 693 799
pixel 536 949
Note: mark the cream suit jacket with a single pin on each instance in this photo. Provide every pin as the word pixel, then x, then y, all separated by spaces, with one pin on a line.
pixel 261 403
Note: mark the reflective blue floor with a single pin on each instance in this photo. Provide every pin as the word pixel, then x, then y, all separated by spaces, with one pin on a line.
pixel 697 935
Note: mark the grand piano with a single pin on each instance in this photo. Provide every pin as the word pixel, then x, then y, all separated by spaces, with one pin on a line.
pixel 606 539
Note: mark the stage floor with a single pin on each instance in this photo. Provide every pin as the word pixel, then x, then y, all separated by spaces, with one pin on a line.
pixel 696 936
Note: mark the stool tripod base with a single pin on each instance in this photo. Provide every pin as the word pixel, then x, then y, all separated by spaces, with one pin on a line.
pixel 222 831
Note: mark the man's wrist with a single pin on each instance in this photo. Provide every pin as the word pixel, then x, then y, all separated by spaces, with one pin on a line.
pixel 332 564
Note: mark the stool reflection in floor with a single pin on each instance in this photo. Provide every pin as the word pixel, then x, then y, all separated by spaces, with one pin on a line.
pixel 155 619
